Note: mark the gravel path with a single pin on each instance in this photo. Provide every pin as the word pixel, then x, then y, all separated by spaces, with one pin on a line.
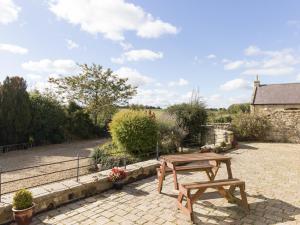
pixel 44 155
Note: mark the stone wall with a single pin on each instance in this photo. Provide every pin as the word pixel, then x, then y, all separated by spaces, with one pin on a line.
pixel 272 108
pixel 218 133
pixel 53 195
pixel 285 126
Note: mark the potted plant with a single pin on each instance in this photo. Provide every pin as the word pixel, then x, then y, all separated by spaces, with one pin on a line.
pixel 117 176
pixel 23 207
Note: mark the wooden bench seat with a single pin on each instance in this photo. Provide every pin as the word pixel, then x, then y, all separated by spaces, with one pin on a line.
pixel 185 191
pixel 202 166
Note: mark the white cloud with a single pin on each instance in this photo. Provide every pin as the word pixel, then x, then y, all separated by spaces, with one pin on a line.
pixel 211 56
pixel 235 85
pixel 13 49
pixel 160 97
pixel 270 71
pixel 197 60
pixel 71 44
pixel 252 50
pixel 138 55
pixel 294 23
pixel 134 77
pixel 112 18
pixel 233 65
pixel 281 62
pixel 298 77
pixel 58 66
pixel 9 11
pixel 126 45
pixel 155 28
pixel 180 82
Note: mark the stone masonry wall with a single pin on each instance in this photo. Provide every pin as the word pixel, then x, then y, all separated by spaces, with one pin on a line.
pixel 285 126
pixel 218 133
pixel 272 108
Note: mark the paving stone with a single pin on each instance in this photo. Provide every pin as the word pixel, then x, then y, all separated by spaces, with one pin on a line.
pixel 269 170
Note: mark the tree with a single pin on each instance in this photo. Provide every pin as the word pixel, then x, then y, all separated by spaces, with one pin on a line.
pixel 99 90
pixel 48 119
pixel 79 123
pixel 239 108
pixel 14 111
pixel 190 117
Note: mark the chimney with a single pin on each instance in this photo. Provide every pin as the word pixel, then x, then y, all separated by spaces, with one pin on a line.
pixel 256 82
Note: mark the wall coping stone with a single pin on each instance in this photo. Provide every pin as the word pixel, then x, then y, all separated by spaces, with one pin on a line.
pixel 59 193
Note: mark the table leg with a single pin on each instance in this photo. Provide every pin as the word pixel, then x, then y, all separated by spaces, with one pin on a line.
pixel 162 176
pixel 175 179
pixel 228 166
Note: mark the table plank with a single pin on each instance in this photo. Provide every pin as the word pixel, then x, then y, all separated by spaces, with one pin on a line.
pixel 192 157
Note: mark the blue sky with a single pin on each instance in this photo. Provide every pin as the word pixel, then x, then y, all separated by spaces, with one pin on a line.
pixel 167 48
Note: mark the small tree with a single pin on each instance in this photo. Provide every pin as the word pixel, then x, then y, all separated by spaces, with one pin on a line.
pixel 99 90
pixel 14 111
pixel 191 117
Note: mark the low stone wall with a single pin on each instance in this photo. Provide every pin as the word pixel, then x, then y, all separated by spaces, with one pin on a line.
pixel 218 133
pixel 53 195
pixel 285 126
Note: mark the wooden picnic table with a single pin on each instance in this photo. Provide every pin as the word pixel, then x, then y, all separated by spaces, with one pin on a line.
pixel 175 162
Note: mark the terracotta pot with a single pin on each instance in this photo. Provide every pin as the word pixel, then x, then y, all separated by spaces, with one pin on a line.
pixel 24 216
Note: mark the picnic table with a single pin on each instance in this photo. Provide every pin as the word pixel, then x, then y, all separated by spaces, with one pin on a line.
pixel 200 160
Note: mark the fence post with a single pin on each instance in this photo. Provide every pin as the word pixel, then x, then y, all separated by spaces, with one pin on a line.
pixel 157 151
pixel 77 167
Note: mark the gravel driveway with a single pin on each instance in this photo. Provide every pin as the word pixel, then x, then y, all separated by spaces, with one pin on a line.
pixel 44 155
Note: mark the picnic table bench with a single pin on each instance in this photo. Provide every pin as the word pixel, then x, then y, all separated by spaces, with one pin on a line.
pixel 200 162
pixel 200 187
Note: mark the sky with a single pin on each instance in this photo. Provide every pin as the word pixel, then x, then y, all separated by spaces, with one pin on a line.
pixel 166 48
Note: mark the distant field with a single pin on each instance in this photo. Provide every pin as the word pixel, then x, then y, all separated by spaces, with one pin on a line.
pixel 157 112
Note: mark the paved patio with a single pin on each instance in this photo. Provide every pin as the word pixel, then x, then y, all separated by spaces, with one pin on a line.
pixel 271 172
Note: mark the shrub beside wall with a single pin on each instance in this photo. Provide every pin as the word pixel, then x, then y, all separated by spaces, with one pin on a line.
pixel 134 131
pixel 250 126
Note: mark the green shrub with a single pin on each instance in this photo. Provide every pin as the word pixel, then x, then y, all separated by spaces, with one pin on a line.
pixel 222 119
pixel 134 131
pixel 22 199
pixel 190 117
pixel 239 108
pixel 48 119
pixel 250 126
pixel 169 133
pixel 108 156
pixel 79 123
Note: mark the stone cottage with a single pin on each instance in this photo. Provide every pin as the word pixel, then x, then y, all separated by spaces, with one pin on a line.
pixel 273 97
pixel 281 103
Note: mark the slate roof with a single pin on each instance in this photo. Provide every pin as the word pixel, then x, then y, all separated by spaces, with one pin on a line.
pixel 277 94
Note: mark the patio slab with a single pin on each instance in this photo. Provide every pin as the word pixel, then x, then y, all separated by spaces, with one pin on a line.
pixel 272 176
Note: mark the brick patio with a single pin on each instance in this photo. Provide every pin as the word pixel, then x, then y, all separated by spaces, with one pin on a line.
pixel 271 172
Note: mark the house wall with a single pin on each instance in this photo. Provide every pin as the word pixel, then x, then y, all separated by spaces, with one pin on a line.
pixel 285 124
pixel 271 108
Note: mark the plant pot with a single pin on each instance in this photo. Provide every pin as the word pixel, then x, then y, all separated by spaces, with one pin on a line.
pixel 24 216
pixel 118 185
